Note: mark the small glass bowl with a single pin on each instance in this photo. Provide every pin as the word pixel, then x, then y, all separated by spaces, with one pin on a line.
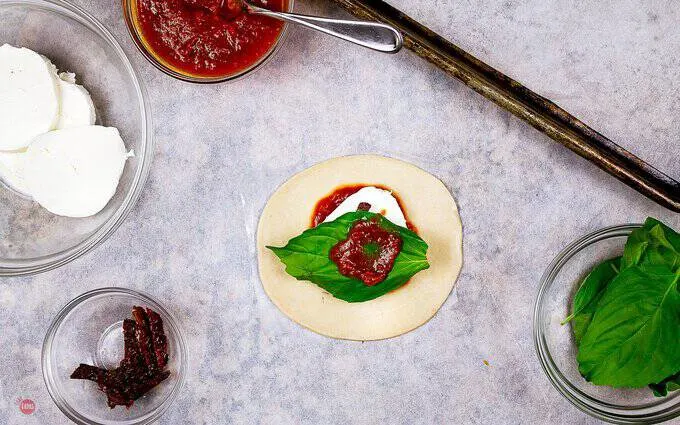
pixel 89 330
pixel 555 343
pixel 32 240
pixel 129 13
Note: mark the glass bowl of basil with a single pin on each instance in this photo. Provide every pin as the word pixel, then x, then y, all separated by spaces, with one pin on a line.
pixel 607 323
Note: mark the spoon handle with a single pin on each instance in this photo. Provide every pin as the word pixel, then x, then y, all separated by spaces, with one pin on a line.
pixel 374 35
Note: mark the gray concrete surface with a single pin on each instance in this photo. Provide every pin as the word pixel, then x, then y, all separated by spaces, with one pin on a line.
pixel 223 149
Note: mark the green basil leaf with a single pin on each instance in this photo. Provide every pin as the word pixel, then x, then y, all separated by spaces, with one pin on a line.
pixel 655 244
pixel 666 386
pixel 671 235
pixel 586 298
pixel 633 338
pixel 636 245
pixel 307 257
pixel 579 326
pixel 660 250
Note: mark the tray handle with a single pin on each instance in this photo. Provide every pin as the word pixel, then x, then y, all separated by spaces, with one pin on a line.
pixel 538 111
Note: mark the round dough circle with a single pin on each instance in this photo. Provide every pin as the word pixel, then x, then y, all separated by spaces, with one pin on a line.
pixel 429 206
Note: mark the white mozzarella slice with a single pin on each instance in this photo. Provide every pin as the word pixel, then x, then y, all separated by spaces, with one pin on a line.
pixel 69 77
pixel 381 201
pixel 29 97
pixel 76 107
pixel 75 172
pixel 12 166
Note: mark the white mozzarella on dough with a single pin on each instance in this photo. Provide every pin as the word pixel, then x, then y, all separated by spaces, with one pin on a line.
pixel 12 166
pixel 75 172
pixel 76 106
pixel 381 201
pixel 29 97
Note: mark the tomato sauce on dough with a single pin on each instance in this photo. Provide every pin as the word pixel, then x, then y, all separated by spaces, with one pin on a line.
pixel 368 253
pixel 207 38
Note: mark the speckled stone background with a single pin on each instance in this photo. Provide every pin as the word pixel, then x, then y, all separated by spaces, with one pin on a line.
pixel 223 149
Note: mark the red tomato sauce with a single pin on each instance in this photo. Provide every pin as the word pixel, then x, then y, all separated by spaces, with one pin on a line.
pixel 368 253
pixel 207 38
pixel 329 203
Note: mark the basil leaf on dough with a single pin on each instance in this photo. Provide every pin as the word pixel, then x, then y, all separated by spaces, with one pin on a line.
pixel 307 257
pixel 634 336
pixel 586 298
pixel 666 386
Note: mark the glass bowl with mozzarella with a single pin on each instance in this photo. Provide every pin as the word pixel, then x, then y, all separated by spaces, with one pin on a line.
pixel 33 237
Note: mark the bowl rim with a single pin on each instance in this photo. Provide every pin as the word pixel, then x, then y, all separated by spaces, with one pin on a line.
pixel 52 261
pixel 586 403
pixel 136 37
pixel 171 322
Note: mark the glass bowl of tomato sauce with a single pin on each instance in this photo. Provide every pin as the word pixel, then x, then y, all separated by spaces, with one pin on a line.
pixel 205 41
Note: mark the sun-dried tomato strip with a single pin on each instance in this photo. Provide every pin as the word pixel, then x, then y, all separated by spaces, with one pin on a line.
pixel 143 333
pixel 107 383
pixel 160 342
pixel 145 349
pixel 142 387
pixel 126 384
pixel 85 371
pixel 114 399
pixel 364 206
pixel 132 352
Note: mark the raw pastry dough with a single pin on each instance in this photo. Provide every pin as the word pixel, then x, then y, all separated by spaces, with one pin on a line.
pixel 429 206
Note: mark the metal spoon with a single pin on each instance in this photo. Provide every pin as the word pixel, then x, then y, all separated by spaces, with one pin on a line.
pixel 374 35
